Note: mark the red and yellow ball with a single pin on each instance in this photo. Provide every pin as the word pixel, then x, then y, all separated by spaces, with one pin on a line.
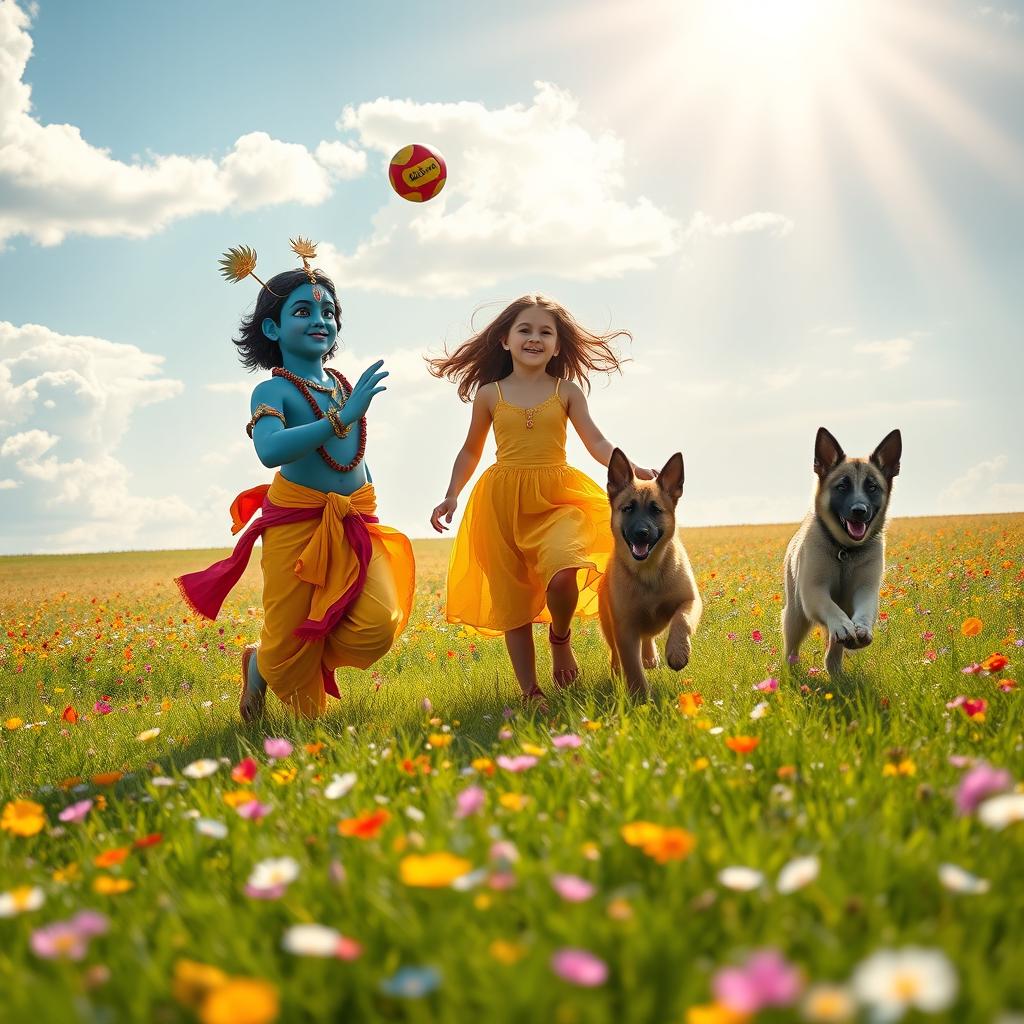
pixel 417 172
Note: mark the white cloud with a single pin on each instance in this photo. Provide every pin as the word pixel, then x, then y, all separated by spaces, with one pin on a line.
pixel 8 484
pixel 763 221
pixel 1003 14
pixel 893 353
pixel 972 480
pixel 530 191
pixel 30 444
pixel 54 183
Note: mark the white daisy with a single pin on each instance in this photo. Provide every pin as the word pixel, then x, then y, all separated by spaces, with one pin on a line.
pixel 797 873
pixel 311 940
pixel 201 769
pixel 760 710
pixel 17 901
pixel 210 827
pixel 340 785
pixel 958 880
pixel 1000 811
pixel 148 734
pixel 893 981
pixel 274 873
pixel 740 878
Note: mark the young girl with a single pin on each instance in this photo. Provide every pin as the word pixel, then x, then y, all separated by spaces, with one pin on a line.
pixel 337 586
pixel 535 536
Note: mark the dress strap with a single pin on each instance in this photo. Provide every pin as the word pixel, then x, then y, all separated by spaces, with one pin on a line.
pixel 558 380
pixel 498 386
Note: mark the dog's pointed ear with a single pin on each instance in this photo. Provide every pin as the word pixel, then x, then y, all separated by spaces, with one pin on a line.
pixel 828 453
pixel 670 479
pixel 620 472
pixel 887 455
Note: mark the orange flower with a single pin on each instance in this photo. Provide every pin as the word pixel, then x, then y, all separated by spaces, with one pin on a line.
pixel 742 744
pixel 107 886
pixel 194 981
pixel 69 714
pixel 671 844
pixel 995 663
pixel 689 703
pixel 640 833
pixel 972 626
pixel 237 797
pixel 483 765
pixel 715 1013
pixel 108 858
pixel 241 1001
pixel 365 825
pixel 106 778
pixel 432 870
pixel 74 780
pixel 314 748
pixel 440 739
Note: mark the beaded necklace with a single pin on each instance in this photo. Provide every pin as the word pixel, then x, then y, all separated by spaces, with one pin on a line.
pixel 346 390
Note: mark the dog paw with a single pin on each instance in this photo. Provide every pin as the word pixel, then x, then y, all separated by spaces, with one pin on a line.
pixel 843 631
pixel 862 636
pixel 650 658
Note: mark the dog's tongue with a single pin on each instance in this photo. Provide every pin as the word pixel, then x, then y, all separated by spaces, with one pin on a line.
pixel 856 530
pixel 640 550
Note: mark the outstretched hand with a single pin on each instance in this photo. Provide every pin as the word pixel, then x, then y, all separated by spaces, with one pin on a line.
pixel 443 511
pixel 365 388
pixel 644 474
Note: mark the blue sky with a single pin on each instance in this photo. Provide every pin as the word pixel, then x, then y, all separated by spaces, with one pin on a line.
pixel 812 217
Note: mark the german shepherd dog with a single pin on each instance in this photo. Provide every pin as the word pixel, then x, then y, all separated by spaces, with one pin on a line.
pixel 649 584
pixel 834 563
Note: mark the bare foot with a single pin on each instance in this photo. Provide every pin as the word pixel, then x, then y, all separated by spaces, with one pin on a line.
pixel 535 701
pixel 564 669
pixel 254 689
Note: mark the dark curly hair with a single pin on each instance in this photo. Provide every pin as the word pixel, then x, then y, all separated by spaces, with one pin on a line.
pixel 255 349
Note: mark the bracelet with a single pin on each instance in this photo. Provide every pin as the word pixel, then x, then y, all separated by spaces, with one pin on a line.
pixel 261 411
pixel 340 429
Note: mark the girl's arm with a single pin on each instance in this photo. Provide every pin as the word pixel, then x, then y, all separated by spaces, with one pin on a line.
pixel 593 440
pixel 466 461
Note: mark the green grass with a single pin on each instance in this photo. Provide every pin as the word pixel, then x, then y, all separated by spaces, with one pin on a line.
pixel 663 929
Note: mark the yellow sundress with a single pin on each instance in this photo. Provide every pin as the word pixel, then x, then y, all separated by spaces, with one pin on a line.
pixel 529 516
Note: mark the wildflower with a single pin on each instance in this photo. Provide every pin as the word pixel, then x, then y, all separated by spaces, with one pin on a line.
pixel 893 981
pixel 471 800
pixel 578 967
pixel 999 811
pixel 106 885
pixel 766 979
pixel 797 873
pixel 102 707
pixel 640 833
pixel 284 776
pixel 237 797
pixel 980 782
pixel 1007 685
pixel 14 723
pixel 272 874
pixel 507 953
pixel 995 663
pixel 899 766
pixel 411 982
pixel 314 749
pixel 483 765
pixel 147 734
pixel 700 764
pixel 245 771
pixel 277 747
pixel 519 763
pixel 593 725
pixel 760 709
pixel 689 703
pixel 76 812
pixel 212 828
pixel 715 1013
pixel 364 826
pixel 68 939
pixel 67 874
pixel 146 841
pixel 742 744
pixel 440 740
pixel 193 981
pixel 432 870
pixel 253 810
pixel 971 626
pixel 767 685
pixel 741 879
pixel 513 801
pixel 670 844
pixel 340 786
pixel 23 818
pixel 108 858
pixel 21 899
pixel 828 1004
pixel 957 880
pixel 567 741
pixel 319 940
pixel 69 715
pixel 201 769
pixel 757 636
pixel 572 888
pixel 241 1001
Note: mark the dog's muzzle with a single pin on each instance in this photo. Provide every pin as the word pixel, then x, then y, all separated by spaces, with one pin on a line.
pixel 858 522
pixel 640 543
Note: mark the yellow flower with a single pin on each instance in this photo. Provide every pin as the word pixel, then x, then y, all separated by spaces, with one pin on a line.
pixel 194 981
pixel 241 1001
pixel 904 767
pixel 282 776
pixel 508 953
pixel 439 739
pixel 14 723
pixel 483 901
pixel 640 833
pixel 592 726
pixel 483 765
pixel 236 797
pixel 165 704
pixel 591 850
pixel 148 734
pixel 689 703
pixel 105 885
pixel 513 801
pixel 700 764
pixel 432 870
pixel 23 818
pixel 533 750
pixel 67 874
pixel 715 1013
pixel 972 626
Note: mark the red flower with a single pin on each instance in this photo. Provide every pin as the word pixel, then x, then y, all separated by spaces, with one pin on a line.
pixel 69 714
pixel 995 662
pixel 150 840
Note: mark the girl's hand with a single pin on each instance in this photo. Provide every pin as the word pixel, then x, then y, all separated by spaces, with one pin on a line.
pixel 445 510
pixel 644 474
pixel 362 393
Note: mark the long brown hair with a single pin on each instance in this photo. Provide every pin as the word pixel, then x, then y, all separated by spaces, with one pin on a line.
pixel 481 358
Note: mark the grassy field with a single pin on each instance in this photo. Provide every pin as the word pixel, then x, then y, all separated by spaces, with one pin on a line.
pixel 427 853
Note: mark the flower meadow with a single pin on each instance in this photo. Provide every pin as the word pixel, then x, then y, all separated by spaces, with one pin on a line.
pixel 758 843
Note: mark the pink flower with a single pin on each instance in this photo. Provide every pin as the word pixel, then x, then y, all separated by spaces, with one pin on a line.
pixel 766 979
pixel 578 967
pixel 757 636
pixel 504 853
pixel 505 734
pixel 68 939
pixel 101 707
pixel 567 741
pixel 253 810
pixel 572 888
pixel 956 702
pixel 469 801
pixel 519 763
pixel 76 812
pixel 767 685
pixel 500 881
pixel 977 784
pixel 970 670
pixel 276 747
pixel 274 892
